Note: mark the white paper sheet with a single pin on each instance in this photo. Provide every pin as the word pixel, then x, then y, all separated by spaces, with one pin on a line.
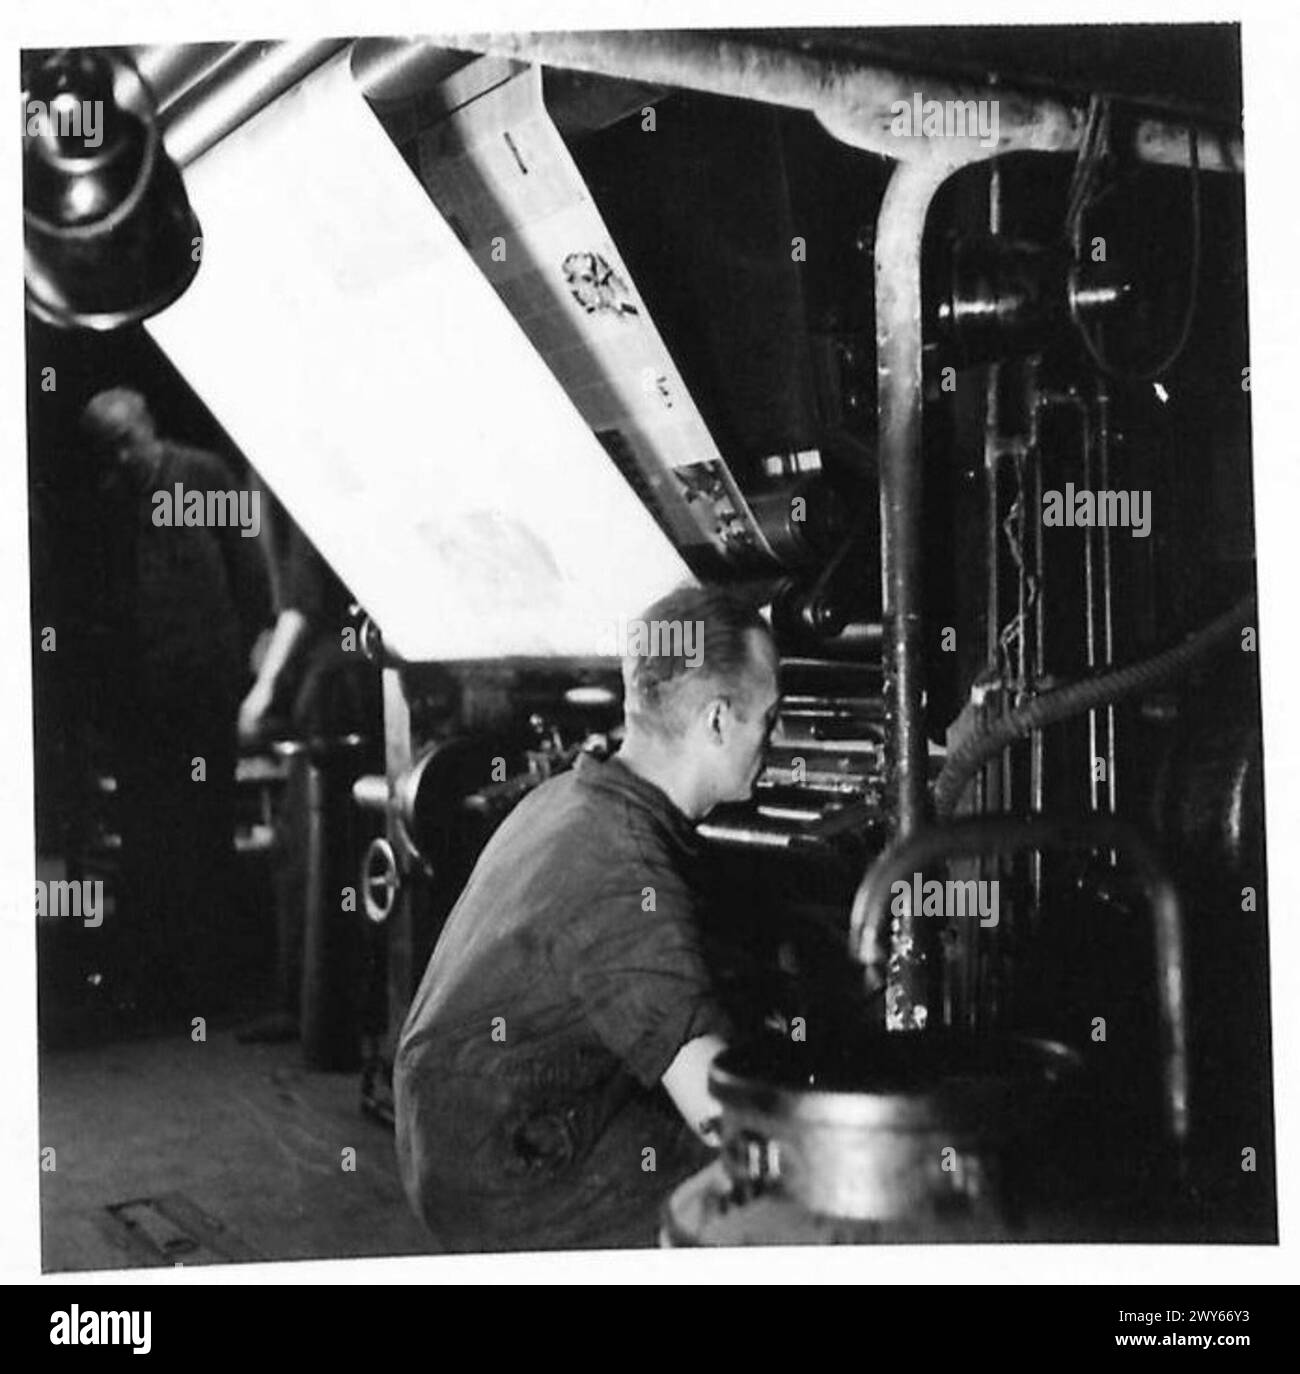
pixel 341 334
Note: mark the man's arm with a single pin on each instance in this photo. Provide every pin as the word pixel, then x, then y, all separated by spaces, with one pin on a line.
pixel 303 599
pixel 686 1080
pixel 291 631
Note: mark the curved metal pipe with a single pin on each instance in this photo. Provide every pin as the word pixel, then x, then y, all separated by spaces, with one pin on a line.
pixel 1009 835
pixel 853 99
pixel 205 93
pixel 900 230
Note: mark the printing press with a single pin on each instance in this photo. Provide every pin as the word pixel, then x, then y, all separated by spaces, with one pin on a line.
pixel 844 370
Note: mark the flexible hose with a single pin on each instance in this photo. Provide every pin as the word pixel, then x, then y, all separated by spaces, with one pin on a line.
pixel 968 757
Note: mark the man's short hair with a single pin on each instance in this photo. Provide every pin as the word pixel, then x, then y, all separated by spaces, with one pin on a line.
pixel 118 413
pixel 692 643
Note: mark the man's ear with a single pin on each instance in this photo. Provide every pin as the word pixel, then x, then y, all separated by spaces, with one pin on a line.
pixel 716 718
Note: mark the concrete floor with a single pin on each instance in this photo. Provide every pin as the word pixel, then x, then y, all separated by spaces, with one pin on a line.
pixel 246 1146
pixel 243 1132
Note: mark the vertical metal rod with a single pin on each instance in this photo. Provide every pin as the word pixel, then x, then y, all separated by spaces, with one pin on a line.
pixel 1022 576
pixel 1108 622
pixel 1090 613
pixel 973 971
pixel 900 229
pixel 1079 404
pixel 1036 775
pixel 995 791
pixel 398 758
pixel 1002 981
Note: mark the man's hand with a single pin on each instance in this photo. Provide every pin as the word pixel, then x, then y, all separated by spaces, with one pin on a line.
pixel 291 633
pixel 687 1083
pixel 253 713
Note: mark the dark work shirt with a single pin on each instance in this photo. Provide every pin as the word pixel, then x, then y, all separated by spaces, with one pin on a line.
pixel 183 600
pixel 568 976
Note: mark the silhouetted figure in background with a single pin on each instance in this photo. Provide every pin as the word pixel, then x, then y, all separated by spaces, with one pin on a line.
pixel 178 604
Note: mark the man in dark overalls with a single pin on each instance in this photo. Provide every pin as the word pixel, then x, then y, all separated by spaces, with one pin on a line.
pixel 179 604
pixel 551 1081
